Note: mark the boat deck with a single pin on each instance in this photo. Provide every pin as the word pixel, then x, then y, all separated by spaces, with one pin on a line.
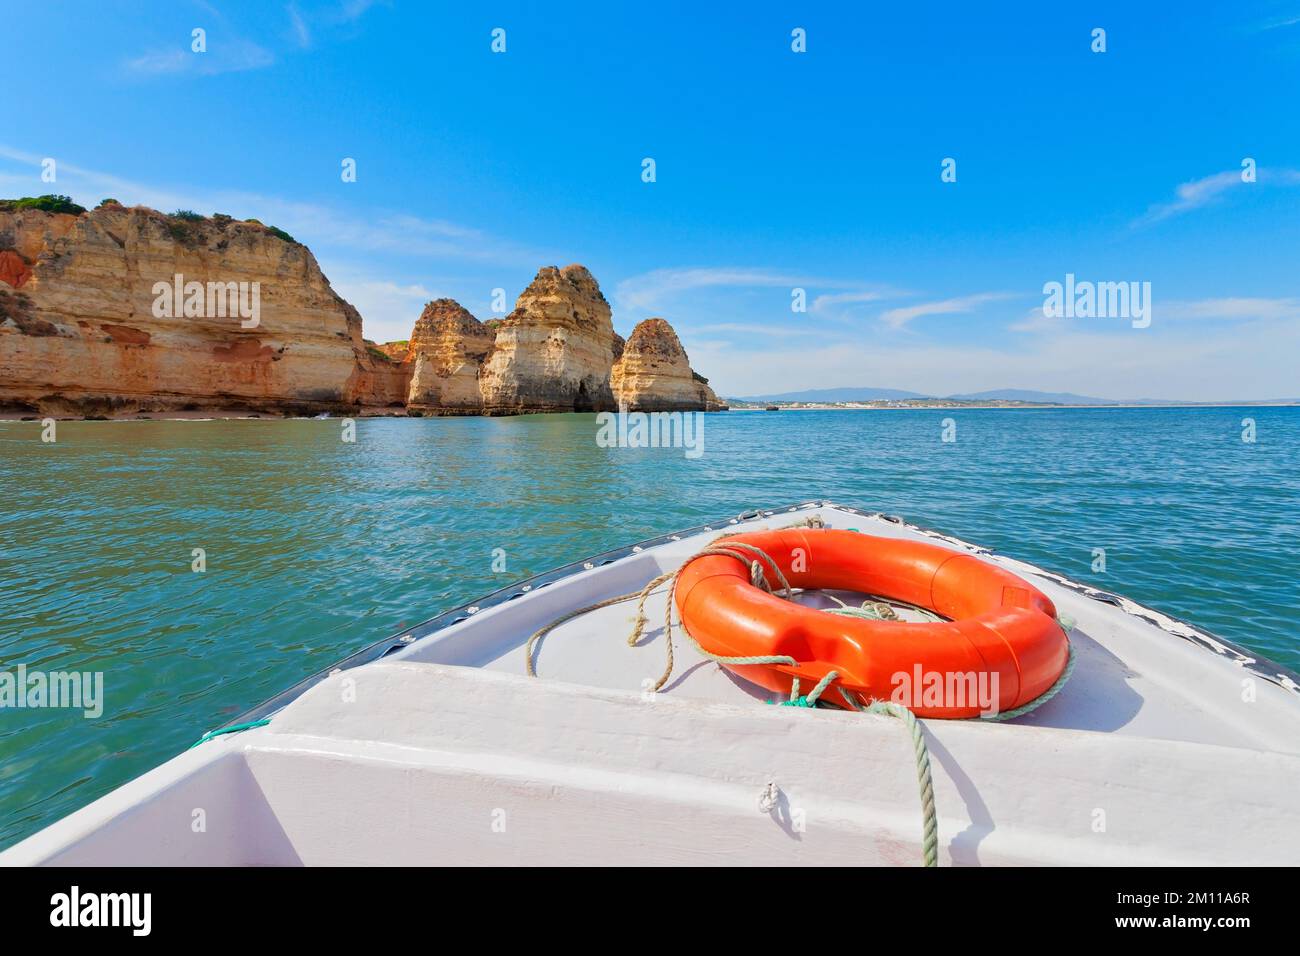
pixel 1131 676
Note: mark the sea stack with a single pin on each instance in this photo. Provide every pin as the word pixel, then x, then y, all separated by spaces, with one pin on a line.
pixel 554 352
pixel 654 373
pixel 447 348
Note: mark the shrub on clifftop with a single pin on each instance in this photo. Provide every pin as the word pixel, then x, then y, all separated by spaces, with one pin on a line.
pixel 51 203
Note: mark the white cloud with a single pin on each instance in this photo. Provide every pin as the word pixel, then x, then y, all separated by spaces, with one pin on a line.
pixel 897 318
pixel 230 52
pixel 655 291
pixel 316 225
pixel 301 32
pixel 1279 23
pixel 351 10
pixel 1193 195
pixel 1036 322
pixel 231 57
pixel 749 328
pixel 1232 309
pixel 1252 361
pixel 649 291
pixel 388 309
pixel 1239 309
pixel 1201 192
pixel 829 302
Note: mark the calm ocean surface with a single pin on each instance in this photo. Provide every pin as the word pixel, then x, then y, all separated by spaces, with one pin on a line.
pixel 316 547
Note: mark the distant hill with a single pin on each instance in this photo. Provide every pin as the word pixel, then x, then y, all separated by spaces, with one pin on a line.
pixel 835 395
pixel 1029 395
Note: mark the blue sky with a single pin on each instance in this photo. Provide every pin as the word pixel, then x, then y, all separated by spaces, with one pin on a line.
pixel 775 169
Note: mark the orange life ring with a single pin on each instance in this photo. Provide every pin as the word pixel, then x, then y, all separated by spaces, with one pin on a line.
pixel 1000 629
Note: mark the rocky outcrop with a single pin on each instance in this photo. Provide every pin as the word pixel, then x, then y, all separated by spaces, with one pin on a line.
pixel 14 269
pixel 393 351
pixel 101 325
pixel 122 310
pixel 654 374
pixel 447 349
pixel 554 352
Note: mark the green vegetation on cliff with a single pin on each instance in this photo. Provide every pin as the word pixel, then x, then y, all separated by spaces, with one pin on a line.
pixel 51 203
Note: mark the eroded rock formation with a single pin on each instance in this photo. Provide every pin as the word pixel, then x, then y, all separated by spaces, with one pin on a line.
pixel 85 332
pixel 447 349
pixel 654 374
pixel 82 331
pixel 554 352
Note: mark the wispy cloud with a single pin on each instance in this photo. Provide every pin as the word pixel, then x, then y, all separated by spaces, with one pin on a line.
pixel 1236 310
pixel 221 57
pixel 355 9
pixel 1278 23
pixel 301 31
pixel 388 308
pixel 650 290
pixel 1201 192
pixel 840 304
pixel 659 290
pixel 750 328
pixel 316 224
pixel 1035 322
pixel 1194 195
pixel 897 318
pixel 230 50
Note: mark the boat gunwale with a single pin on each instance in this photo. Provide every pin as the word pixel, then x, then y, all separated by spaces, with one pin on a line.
pixel 1260 666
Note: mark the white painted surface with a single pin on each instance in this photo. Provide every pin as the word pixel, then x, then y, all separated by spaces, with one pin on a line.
pixel 1149 755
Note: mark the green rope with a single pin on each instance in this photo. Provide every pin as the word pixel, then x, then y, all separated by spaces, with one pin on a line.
pixel 233 728
pixel 811 699
pixel 929 814
pixel 875 610
pixel 879 610
pixel 1042 698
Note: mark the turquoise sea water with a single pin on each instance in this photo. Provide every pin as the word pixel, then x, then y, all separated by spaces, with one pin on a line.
pixel 316 547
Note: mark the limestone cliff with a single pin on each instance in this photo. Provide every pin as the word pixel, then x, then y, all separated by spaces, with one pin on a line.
pixel 554 352
pixel 85 333
pixel 447 349
pixel 654 374
pixel 123 310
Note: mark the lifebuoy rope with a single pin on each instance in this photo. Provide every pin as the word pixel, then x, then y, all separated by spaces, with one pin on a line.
pixel 756 558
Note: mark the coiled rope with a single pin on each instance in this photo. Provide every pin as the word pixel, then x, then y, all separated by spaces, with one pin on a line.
pixel 756 558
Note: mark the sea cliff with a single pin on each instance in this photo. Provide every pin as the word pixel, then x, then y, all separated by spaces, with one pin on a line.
pixel 126 310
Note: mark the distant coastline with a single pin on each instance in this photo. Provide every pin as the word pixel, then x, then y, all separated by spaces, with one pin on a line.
pixel 236 414
pixel 736 405
pixel 869 397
